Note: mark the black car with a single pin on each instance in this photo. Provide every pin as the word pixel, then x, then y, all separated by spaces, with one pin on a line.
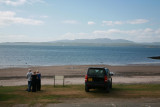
pixel 98 78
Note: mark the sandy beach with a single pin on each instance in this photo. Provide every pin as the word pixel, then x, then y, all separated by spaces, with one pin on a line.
pixel 74 74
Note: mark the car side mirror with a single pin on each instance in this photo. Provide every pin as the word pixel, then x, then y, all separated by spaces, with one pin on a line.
pixel 111 73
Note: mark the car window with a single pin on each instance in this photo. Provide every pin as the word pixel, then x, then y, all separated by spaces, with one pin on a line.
pixel 96 72
pixel 107 72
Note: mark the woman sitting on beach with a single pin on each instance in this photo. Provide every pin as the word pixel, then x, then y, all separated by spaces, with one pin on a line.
pixel 34 82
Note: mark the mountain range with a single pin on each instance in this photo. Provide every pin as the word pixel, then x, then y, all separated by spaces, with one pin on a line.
pixel 88 42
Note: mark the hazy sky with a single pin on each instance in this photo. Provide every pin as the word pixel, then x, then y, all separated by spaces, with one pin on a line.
pixel 49 20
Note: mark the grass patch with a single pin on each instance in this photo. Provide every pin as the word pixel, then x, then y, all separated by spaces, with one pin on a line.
pixel 6 97
pixel 50 94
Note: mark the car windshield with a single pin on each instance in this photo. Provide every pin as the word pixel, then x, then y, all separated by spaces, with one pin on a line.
pixel 96 72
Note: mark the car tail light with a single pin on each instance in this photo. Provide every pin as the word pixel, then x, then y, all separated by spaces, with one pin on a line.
pixel 105 78
pixel 86 78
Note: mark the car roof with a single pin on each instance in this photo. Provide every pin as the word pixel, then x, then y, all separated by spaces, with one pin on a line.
pixel 97 68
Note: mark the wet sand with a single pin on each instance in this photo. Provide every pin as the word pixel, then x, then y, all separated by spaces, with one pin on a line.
pixel 74 74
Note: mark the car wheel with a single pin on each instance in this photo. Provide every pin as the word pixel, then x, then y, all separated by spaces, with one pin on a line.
pixel 86 89
pixel 111 85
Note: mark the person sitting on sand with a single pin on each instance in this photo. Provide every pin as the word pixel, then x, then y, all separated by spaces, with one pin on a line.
pixel 38 81
pixel 34 82
pixel 29 77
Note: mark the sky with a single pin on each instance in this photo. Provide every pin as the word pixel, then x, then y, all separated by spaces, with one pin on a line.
pixel 51 20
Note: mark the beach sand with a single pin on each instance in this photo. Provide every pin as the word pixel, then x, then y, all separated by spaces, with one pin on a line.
pixel 74 74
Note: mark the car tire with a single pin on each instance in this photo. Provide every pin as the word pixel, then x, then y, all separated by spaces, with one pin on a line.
pixel 111 85
pixel 86 89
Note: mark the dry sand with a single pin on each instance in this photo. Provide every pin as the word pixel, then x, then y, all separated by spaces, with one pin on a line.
pixel 74 74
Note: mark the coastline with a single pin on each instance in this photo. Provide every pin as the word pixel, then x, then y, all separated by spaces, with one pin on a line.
pixel 74 74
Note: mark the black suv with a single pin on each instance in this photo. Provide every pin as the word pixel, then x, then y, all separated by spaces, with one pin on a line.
pixel 98 78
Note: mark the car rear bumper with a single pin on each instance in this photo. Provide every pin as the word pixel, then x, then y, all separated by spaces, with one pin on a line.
pixel 96 85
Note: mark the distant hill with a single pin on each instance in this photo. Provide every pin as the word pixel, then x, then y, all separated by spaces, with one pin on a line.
pixel 95 41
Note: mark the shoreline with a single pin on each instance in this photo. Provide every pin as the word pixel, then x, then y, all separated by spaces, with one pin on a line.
pixel 80 70
pixel 31 66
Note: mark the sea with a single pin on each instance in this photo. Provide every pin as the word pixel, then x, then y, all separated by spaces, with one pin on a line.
pixel 39 55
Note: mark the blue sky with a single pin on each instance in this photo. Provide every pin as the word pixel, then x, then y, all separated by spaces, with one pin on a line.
pixel 50 20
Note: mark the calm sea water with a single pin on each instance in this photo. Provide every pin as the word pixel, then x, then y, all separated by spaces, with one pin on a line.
pixel 23 56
